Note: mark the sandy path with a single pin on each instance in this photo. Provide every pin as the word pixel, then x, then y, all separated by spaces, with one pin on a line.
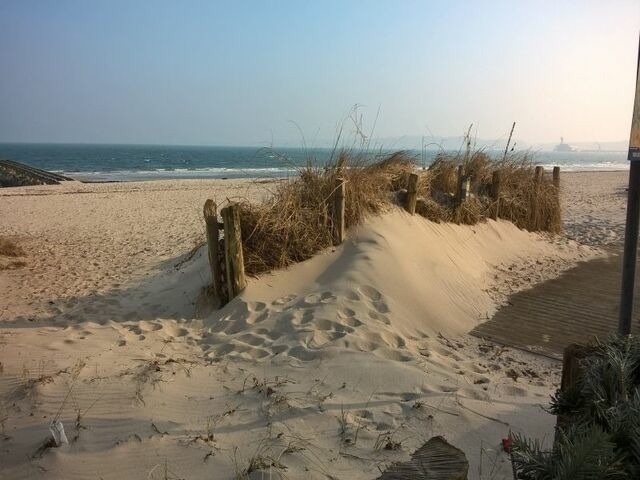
pixel 594 206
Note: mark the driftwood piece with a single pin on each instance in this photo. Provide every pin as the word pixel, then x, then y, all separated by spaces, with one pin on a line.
pixel 234 260
pixel 435 460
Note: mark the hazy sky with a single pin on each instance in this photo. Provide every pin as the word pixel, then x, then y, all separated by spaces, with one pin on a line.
pixel 240 72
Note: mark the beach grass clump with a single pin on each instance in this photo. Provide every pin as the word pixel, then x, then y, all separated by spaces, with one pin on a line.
pixel 528 203
pixel 296 221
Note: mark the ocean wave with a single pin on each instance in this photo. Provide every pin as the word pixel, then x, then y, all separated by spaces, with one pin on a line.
pixel 181 173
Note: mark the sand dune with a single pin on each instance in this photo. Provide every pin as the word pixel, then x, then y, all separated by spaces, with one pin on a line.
pixel 396 281
pixel 330 369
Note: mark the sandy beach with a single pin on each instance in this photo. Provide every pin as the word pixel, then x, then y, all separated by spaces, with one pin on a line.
pixel 333 368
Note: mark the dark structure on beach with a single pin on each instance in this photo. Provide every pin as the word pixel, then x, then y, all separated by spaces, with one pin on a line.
pixel 14 174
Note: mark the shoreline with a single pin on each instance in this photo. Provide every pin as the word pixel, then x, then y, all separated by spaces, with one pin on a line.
pixel 275 178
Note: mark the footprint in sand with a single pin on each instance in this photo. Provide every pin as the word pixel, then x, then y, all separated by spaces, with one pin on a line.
pixel 310 300
pixel 302 353
pixel 251 339
pixel 175 331
pixel 283 300
pixel 379 317
pixel 321 338
pixel 370 292
pixel 261 317
pixel 352 322
pixel 514 391
pixel 346 312
pixel 381 306
pixel 353 296
pixel 256 306
pixel 147 326
pixel 327 297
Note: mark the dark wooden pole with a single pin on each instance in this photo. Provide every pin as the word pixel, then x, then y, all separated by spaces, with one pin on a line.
pixel 234 260
pixel 630 250
pixel 338 226
pixel 412 193
pixel 556 177
pixel 537 180
pixel 539 174
pixel 211 220
pixel 633 212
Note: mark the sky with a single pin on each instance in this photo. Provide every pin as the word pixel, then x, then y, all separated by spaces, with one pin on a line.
pixel 290 72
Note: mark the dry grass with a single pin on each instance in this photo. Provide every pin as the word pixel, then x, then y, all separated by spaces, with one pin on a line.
pixel 296 221
pixel 530 206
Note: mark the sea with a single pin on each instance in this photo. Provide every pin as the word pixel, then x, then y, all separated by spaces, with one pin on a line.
pixel 102 163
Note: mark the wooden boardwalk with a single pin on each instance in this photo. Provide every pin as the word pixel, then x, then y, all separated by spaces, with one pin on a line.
pixel 573 308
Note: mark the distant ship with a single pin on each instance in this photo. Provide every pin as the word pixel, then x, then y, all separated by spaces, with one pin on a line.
pixel 563 147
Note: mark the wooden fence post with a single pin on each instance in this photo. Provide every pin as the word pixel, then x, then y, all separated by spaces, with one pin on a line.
pixel 338 223
pixel 539 174
pixel 211 220
pixel 556 177
pixel 572 355
pixel 464 184
pixel 412 193
pixel 495 193
pixel 234 260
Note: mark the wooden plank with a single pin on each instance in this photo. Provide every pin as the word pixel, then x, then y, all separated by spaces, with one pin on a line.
pixel 573 308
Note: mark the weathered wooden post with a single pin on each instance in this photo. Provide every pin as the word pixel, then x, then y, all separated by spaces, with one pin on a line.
pixel 234 260
pixel 412 193
pixel 539 174
pixel 211 220
pixel 556 177
pixel 571 373
pixel 537 181
pixel 466 189
pixel 495 193
pixel 464 185
pixel 459 181
pixel 338 224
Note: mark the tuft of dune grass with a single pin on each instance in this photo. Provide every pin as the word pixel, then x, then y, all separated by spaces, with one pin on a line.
pixel 295 222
